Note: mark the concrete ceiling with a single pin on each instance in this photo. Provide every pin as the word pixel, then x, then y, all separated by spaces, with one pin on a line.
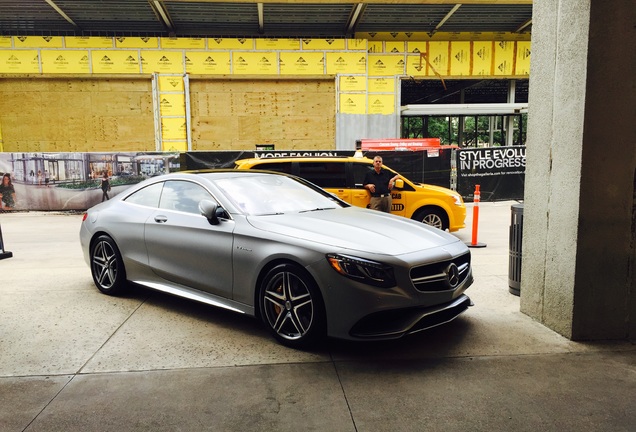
pixel 242 18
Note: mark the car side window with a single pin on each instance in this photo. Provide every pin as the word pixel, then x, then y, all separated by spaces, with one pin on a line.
pixel 183 196
pixel 324 174
pixel 359 171
pixel 148 196
pixel 284 167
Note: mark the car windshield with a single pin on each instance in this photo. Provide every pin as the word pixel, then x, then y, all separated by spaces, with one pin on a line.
pixel 272 194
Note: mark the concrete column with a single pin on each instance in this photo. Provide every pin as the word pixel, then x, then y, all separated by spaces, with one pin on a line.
pixel 510 120
pixel 579 241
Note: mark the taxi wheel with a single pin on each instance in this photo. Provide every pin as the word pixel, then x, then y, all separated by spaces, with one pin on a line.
pixel 432 216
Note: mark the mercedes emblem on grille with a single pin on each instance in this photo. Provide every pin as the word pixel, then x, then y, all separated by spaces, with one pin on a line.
pixel 452 272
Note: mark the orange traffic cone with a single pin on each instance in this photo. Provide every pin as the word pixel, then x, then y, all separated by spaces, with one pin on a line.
pixel 476 198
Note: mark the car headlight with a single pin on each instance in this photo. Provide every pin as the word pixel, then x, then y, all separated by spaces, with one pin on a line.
pixel 458 200
pixel 362 270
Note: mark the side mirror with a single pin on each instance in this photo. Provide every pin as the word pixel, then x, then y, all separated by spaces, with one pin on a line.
pixel 211 211
pixel 399 183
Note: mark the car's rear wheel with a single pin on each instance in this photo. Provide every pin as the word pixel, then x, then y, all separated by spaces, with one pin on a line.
pixel 291 306
pixel 107 266
pixel 432 216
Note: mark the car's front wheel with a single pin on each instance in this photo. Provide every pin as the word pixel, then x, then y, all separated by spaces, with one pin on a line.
pixel 291 306
pixel 432 216
pixel 107 266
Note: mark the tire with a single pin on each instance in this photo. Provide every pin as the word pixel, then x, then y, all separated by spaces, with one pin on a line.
pixel 291 307
pixel 107 266
pixel 432 216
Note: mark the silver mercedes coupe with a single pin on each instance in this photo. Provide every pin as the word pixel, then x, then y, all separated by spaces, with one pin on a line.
pixel 280 249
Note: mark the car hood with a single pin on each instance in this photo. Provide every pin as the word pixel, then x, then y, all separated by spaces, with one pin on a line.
pixel 356 229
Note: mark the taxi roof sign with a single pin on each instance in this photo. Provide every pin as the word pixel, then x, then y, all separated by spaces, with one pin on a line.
pixel 397 144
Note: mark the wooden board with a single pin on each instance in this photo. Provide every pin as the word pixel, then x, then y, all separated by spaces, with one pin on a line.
pixel 76 115
pixel 239 114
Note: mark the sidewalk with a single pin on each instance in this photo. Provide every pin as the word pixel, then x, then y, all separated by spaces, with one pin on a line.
pixel 72 359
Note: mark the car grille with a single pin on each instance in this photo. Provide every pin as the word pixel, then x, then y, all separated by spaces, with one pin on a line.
pixel 441 276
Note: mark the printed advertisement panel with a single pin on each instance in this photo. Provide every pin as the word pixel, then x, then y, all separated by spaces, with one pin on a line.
pixel 500 172
pixel 73 181
pixel 208 63
pixel 66 62
pixel 305 63
pixel 115 61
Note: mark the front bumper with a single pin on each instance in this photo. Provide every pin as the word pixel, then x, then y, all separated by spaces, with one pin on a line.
pixel 393 324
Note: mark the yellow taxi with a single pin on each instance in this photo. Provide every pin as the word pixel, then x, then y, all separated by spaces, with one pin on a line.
pixel 343 176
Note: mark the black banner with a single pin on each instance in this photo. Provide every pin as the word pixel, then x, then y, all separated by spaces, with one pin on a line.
pixel 499 172
pixel 70 181
pixel 430 167
pixel 212 159
pixel 225 159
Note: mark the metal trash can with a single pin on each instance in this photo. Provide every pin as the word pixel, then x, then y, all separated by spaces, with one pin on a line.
pixel 3 254
pixel 516 235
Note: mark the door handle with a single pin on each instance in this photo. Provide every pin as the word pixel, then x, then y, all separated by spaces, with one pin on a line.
pixel 161 219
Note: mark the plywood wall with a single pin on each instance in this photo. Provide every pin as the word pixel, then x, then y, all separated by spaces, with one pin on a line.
pixel 76 115
pixel 239 114
pixel 111 115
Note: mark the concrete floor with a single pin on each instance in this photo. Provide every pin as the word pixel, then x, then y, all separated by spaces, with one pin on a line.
pixel 72 359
